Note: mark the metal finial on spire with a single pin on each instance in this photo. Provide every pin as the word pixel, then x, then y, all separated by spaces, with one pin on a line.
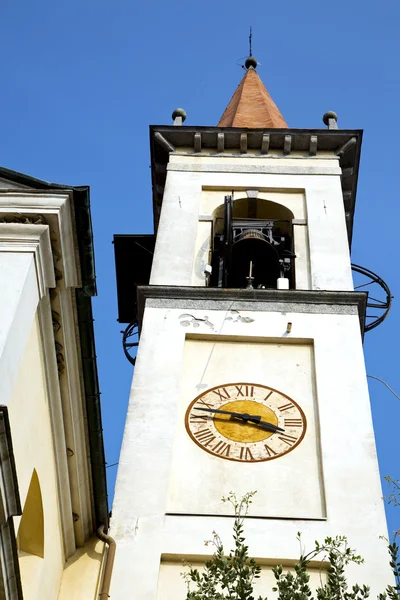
pixel 250 40
pixel 250 61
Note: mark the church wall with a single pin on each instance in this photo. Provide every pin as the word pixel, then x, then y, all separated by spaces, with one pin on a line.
pixel 202 255
pixel 302 260
pixel 81 577
pixel 286 367
pixel 171 585
pixel 292 199
pixel 18 301
pixel 142 522
pixel 34 450
pixel 188 197
pixel 210 206
pixel 41 384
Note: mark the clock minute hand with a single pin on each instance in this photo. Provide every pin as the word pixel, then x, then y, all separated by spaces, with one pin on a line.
pixel 244 416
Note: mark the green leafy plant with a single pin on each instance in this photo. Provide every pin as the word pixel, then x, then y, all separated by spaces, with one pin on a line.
pixel 226 576
pixel 393 592
pixel 394 496
pixel 232 576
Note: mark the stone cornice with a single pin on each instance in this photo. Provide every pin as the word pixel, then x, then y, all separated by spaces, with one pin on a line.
pixel 18 237
pixel 254 168
pixel 314 301
pixel 54 209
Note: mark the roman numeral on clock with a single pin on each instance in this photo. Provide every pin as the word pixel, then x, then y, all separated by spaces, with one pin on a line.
pixel 293 422
pixel 245 454
pixel 285 407
pixel 248 390
pixel 205 436
pixel 199 418
pixel 222 448
pixel 223 395
pixel 269 450
pixel 201 401
pixel 288 439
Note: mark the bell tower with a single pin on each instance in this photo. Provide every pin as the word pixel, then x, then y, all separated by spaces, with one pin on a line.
pixel 250 370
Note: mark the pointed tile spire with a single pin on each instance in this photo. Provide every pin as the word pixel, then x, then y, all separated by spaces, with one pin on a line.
pixel 251 105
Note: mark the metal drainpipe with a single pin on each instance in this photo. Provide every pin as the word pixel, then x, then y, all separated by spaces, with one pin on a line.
pixel 105 586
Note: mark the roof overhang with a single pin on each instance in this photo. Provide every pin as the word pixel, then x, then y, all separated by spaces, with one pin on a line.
pixel 346 144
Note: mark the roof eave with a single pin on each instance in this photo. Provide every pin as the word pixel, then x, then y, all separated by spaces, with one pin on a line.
pixel 346 143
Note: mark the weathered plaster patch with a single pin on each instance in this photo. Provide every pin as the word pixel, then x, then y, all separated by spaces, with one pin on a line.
pixel 236 317
pixel 191 320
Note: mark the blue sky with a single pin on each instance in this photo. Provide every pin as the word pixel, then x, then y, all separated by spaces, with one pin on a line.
pixel 83 80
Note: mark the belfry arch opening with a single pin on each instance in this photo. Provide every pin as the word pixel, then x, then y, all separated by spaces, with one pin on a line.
pixel 252 245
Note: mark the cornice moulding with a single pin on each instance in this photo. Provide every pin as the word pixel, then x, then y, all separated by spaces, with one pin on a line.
pixel 19 237
pixel 57 209
pixel 318 301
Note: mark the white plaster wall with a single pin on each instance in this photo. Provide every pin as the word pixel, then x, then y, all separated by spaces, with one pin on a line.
pixel 302 262
pixel 271 160
pixel 18 300
pixel 290 179
pixel 81 576
pixel 33 449
pixel 202 256
pixel 171 585
pixel 294 200
pixel 349 469
pixel 198 478
pixel 176 236
pixel 46 411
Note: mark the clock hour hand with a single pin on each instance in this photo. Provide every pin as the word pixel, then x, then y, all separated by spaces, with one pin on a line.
pixel 244 416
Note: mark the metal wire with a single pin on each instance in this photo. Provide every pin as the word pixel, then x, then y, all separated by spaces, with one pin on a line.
pixel 386 384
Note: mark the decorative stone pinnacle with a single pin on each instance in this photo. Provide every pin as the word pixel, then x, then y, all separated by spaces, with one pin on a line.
pixel 179 116
pixel 330 119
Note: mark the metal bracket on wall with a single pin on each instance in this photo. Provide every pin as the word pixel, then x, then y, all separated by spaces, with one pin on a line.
pixel 130 341
pixel 380 306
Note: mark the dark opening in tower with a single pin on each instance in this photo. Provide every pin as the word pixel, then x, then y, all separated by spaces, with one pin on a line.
pixel 252 245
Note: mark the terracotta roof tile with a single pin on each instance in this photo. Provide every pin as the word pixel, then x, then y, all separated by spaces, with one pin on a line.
pixel 252 106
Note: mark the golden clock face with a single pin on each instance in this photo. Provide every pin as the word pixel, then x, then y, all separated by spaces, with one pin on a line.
pixel 245 422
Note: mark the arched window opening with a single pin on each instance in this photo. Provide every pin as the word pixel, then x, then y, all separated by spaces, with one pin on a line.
pixel 264 261
pixel 31 528
pixel 252 245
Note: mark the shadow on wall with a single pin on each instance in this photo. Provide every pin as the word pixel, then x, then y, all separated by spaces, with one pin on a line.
pixel 30 539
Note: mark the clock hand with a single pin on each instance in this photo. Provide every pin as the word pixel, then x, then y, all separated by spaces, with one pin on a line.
pixel 269 425
pixel 245 416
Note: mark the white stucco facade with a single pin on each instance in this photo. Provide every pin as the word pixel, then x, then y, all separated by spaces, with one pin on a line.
pixel 311 191
pixel 42 388
pixel 168 492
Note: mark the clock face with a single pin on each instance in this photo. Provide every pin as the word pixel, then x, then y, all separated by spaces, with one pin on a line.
pixel 237 438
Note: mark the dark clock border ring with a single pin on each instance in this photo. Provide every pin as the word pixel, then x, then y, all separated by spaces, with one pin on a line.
pixel 258 385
